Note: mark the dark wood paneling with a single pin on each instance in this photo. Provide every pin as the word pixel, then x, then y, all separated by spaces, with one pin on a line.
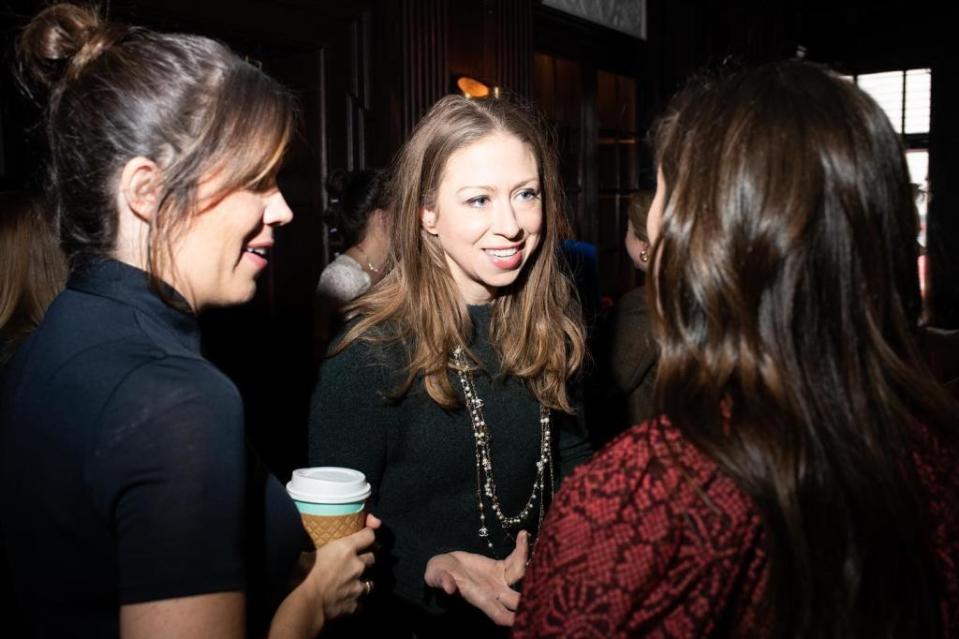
pixel 589 80
pixel 423 24
pixel 942 228
pixel 509 49
pixel 571 37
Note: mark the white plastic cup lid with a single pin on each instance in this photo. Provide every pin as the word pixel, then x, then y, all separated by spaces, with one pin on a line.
pixel 328 485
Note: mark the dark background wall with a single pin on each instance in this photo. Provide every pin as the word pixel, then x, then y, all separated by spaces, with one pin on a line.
pixel 853 36
pixel 366 70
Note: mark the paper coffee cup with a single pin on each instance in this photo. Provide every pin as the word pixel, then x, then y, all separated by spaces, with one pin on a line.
pixel 331 501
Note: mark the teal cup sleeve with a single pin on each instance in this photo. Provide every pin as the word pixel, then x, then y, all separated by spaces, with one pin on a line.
pixel 307 508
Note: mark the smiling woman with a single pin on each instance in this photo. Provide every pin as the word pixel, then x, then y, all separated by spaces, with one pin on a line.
pixel 127 445
pixel 488 215
pixel 449 387
pixel 227 245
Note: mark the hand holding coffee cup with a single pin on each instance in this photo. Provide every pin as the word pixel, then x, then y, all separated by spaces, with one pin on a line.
pixel 331 501
pixel 335 582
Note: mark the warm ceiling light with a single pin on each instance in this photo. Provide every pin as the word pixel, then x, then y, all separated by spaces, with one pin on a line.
pixel 472 88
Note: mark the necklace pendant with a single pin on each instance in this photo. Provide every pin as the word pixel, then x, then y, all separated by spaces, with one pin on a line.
pixel 483 532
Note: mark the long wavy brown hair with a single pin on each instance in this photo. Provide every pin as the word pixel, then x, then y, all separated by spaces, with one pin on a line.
pixel 33 269
pixel 535 327
pixel 785 288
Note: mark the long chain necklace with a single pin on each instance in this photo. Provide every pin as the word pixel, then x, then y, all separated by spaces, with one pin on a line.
pixel 485 484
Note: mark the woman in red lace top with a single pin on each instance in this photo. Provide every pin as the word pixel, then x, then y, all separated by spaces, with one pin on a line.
pixel 801 481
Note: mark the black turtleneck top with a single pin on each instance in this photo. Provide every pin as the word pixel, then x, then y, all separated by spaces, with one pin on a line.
pixel 125 473
pixel 420 461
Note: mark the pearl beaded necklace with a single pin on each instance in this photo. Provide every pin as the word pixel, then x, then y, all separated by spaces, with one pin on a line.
pixel 485 484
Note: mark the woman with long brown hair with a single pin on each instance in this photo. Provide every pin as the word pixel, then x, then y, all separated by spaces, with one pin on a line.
pixel 449 387
pixel 32 268
pixel 801 480
pixel 131 506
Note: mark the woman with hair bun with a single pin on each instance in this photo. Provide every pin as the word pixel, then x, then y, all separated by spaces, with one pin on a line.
pixel 131 505
pixel 359 217
pixel 801 478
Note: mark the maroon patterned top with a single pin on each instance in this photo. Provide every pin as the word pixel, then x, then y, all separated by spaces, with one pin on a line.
pixel 650 539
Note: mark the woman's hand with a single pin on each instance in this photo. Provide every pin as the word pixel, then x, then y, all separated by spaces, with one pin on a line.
pixel 482 581
pixel 340 564
pixel 332 587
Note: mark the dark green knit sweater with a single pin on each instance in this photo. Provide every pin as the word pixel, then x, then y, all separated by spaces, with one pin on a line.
pixel 420 460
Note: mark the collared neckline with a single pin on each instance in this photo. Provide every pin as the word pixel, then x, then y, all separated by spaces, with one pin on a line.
pixel 130 286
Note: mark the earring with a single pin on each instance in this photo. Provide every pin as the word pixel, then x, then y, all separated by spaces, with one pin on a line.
pixel 643 256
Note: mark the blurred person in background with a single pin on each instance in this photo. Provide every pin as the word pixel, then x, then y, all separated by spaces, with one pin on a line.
pixel 359 216
pixel 627 354
pixel 33 269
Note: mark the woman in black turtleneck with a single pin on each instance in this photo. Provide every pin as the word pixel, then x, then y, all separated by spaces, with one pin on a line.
pixel 130 505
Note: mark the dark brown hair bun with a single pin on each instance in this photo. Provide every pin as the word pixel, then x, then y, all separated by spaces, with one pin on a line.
pixel 61 41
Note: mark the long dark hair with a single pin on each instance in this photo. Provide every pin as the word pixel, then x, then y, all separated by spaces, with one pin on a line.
pixel 116 92
pixel 357 195
pixel 785 289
